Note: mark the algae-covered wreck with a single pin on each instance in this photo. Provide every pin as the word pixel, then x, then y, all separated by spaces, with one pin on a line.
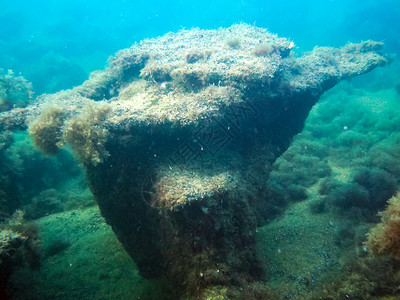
pixel 177 137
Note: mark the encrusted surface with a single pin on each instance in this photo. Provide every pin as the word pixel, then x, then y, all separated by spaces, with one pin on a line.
pixel 196 73
pixel 175 189
pixel 177 137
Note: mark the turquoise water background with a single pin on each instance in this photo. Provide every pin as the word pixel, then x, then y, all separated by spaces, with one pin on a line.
pixel 56 44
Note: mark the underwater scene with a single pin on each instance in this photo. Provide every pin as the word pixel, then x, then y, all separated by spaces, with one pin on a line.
pixel 199 149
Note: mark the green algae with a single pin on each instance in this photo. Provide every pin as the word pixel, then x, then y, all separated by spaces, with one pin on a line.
pixel 92 264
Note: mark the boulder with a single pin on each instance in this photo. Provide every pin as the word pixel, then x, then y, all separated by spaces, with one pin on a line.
pixel 177 136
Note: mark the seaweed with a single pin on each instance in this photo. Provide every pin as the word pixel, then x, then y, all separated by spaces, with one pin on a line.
pixel 384 238
pixel 46 130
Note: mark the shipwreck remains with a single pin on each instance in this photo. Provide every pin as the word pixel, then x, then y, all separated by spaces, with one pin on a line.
pixel 177 136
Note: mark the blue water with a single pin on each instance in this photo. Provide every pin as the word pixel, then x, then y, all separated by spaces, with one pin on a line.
pixel 56 44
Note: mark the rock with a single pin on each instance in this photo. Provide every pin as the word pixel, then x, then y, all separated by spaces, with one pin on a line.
pixel 177 137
